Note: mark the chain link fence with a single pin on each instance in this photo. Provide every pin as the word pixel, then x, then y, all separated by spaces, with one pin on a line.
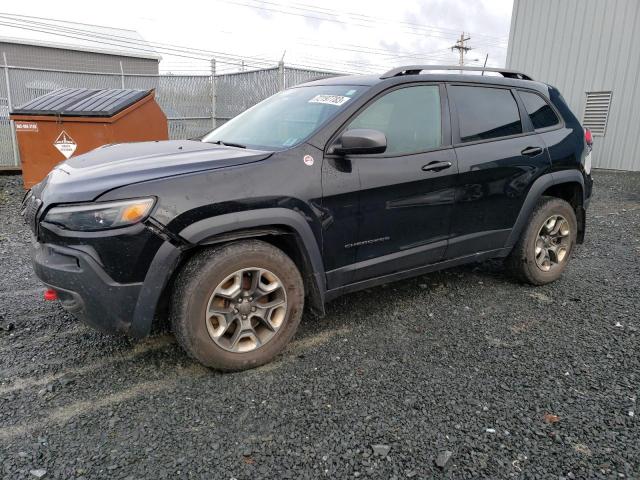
pixel 7 157
pixel 193 104
pixel 235 92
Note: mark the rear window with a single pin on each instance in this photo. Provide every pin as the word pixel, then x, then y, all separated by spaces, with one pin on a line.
pixel 485 113
pixel 539 111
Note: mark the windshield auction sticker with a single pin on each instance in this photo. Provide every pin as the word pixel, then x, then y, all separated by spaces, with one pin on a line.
pixel 65 144
pixel 336 100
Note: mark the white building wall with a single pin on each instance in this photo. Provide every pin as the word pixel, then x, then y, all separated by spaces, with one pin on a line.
pixel 35 56
pixel 584 46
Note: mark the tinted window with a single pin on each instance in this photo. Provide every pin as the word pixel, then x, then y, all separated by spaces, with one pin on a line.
pixel 409 117
pixel 540 113
pixel 485 112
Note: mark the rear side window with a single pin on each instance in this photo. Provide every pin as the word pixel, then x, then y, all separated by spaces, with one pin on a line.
pixel 409 117
pixel 485 113
pixel 540 112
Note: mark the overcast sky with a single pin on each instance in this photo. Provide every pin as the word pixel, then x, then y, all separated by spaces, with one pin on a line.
pixel 342 35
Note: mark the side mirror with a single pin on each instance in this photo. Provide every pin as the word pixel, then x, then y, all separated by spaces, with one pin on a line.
pixel 359 141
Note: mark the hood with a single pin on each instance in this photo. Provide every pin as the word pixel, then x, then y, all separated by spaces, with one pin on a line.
pixel 87 176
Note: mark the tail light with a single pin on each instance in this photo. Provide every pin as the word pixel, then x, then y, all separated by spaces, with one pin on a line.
pixel 588 137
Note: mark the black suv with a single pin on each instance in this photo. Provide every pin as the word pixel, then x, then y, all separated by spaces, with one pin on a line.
pixel 326 188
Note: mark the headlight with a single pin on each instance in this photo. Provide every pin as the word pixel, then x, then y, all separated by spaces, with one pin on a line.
pixel 100 216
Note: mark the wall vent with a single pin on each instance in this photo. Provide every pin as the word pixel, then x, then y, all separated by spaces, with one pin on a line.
pixel 596 112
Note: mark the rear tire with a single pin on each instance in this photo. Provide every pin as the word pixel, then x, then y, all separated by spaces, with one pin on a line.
pixel 236 306
pixel 543 251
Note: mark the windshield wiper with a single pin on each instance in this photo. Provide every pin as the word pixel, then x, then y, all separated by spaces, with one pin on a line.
pixel 228 144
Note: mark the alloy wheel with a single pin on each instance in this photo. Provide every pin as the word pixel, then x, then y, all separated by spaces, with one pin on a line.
pixel 246 310
pixel 552 243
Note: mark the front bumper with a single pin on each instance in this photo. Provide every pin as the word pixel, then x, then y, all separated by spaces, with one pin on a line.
pixel 84 288
pixel 91 295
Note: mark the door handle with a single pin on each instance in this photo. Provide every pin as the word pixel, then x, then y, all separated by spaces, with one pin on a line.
pixel 436 166
pixel 531 151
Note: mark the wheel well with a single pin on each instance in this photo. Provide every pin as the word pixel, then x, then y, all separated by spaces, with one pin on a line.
pixel 572 193
pixel 291 244
pixel 281 237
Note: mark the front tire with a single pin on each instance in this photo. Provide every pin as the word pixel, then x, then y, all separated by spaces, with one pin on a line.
pixel 236 306
pixel 543 251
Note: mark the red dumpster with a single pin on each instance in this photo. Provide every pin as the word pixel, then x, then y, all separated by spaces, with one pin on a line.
pixel 71 121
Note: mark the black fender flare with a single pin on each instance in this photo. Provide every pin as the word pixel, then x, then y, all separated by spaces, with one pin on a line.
pixel 162 266
pixel 168 256
pixel 203 230
pixel 540 185
pixel 200 231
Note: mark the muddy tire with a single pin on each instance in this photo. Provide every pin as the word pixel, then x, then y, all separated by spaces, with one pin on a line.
pixel 543 251
pixel 236 306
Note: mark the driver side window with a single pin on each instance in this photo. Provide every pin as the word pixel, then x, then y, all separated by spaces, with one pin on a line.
pixel 409 117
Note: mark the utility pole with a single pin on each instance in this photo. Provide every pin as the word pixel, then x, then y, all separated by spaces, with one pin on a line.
pixel 462 48
pixel 14 141
pixel 214 93
pixel 121 76
pixel 281 80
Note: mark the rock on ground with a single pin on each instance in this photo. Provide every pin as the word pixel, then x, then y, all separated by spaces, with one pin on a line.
pixel 405 366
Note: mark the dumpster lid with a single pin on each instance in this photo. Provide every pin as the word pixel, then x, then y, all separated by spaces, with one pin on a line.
pixel 82 102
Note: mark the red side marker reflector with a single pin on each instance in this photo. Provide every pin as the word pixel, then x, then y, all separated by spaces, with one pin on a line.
pixel 50 294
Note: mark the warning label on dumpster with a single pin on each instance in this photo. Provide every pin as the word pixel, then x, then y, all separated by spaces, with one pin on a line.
pixel 26 126
pixel 65 144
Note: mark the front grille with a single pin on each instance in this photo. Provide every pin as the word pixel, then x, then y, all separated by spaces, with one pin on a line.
pixel 30 207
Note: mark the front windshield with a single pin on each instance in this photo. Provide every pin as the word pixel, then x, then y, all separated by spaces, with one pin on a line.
pixel 285 119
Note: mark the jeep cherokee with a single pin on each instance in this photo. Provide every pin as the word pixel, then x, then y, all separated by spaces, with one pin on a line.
pixel 326 188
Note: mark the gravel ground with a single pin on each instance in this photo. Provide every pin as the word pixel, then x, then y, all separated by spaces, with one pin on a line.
pixel 465 369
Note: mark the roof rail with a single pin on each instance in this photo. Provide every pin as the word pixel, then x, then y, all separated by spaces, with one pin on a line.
pixel 416 69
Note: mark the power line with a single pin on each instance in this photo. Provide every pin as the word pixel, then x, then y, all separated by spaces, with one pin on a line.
pixel 138 45
pixel 500 39
pixel 363 23
pixel 127 42
pixel 28 23
pixel 380 19
pixel 204 55
pixel 116 44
